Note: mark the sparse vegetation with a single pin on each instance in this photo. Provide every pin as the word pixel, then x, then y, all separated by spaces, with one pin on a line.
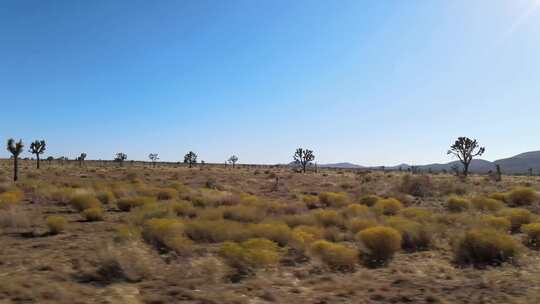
pixel 56 224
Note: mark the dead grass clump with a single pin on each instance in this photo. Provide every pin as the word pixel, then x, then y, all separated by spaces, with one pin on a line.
pixel 251 254
pixel 93 214
pixel 517 217
pixel 380 244
pixel 106 197
pixel 334 199
pixel 532 235
pixel 457 204
pixel 486 204
pixel 62 195
pixel 388 206
pixel 521 196
pixel 122 264
pixel 126 204
pixel 84 201
pixel 166 234
pixel 166 194
pixel 183 209
pixel 482 247
pixel 415 236
pixel 369 200
pixel 334 255
pixel 500 196
pixel 14 218
pixel 416 185
pixel 56 224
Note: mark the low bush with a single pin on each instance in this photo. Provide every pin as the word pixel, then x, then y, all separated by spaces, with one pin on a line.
pixel 414 236
pixel 500 196
pixel 486 204
pixel 532 235
pixel 56 224
pixel 521 196
pixel 166 194
pixel 243 213
pixel 128 203
pixel 517 217
pixel 276 232
pixel 250 254
pixel 416 185
pixel 496 222
pixel 334 199
pixel 417 214
pixel 311 201
pixel 329 218
pixel 93 214
pixel 388 206
pixel 183 209
pixel 166 234
pixel 217 231
pixel 106 197
pixel 10 198
pixel 369 200
pixel 358 224
pixel 84 201
pixel 457 204
pixel 335 255
pixel 356 210
pixel 380 243
pixel 482 247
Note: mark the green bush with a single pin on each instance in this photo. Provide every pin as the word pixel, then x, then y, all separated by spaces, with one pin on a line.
pixel 358 224
pixel 521 196
pixel 417 214
pixel 532 235
pixel 85 201
pixel 356 210
pixel 457 204
pixel 483 247
pixel 389 206
pixel 250 254
pixel 381 243
pixel 276 232
pixel 56 224
pixel 517 217
pixel 335 255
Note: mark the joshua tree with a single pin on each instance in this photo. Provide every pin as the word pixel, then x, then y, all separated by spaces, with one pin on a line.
pixel 232 160
pixel 154 158
pixel 15 149
pixel 498 174
pixel 120 158
pixel 303 157
pixel 37 148
pixel 50 159
pixel 81 159
pixel 465 149
pixel 190 158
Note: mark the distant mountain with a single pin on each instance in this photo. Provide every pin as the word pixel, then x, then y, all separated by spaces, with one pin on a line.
pixel 518 164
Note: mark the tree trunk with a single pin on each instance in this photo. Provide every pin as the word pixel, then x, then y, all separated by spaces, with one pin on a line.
pixel 15 169
pixel 465 169
pixel 37 157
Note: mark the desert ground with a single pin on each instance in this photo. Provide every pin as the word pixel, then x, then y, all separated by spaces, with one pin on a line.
pixel 132 233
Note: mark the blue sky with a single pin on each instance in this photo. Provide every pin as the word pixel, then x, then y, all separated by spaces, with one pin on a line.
pixel 370 82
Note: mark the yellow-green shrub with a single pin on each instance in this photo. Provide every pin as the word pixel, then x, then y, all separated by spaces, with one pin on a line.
pixel 356 210
pixel 243 213
pixel 166 234
pixel 183 208
pixel 417 214
pixel 457 204
pixel 335 255
pixel 496 222
pixel 277 232
pixel 486 204
pixel 56 224
pixel 388 206
pixel 62 195
pixel 369 200
pixel 521 196
pixel 381 243
pixel 532 235
pixel 128 203
pixel 126 232
pixel 93 214
pixel 334 199
pixel 329 218
pixel 416 185
pixel 358 224
pixel 106 197
pixel 10 198
pixel 415 236
pixel 84 201
pixel 250 254
pixel 311 201
pixel 486 247
pixel 217 231
pixel 500 196
pixel 165 194
pixel 517 217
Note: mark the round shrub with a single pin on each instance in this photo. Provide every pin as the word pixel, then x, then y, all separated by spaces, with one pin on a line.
pixel 414 236
pixel 500 196
pixel 329 218
pixel 356 210
pixel 356 225
pixel 482 247
pixel 126 204
pixel 532 235
pixel 496 222
pixel 388 206
pixel 311 201
pixel 381 244
pixel 457 204
pixel 334 255
pixel 166 194
pixel 250 254
pixel 416 185
pixel 10 198
pixel 85 201
pixel 417 214
pixel 369 200
pixel 277 232
pixel 517 217
pixel 333 199
pixel 521 196
pixel 56 224
pixel 106 197
pixel 166 234
pixel 93 214
pixel 486 204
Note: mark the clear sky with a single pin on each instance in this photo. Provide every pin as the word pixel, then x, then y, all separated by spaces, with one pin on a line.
pixel 369 82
